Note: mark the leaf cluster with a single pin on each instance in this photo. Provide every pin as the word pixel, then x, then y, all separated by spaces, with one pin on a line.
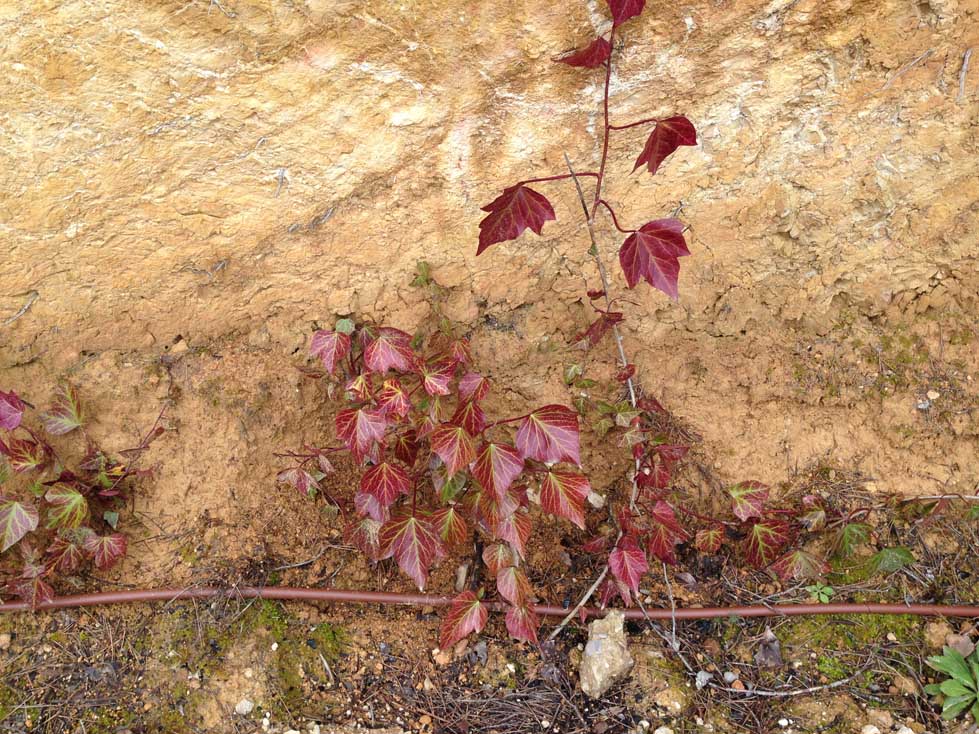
pixel 960 691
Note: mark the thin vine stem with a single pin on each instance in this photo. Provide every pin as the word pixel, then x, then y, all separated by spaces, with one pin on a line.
pixel 615 219
pixel 637 123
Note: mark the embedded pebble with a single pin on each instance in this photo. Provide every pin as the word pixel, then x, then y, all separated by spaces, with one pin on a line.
pixel 870 729
pixel 244 707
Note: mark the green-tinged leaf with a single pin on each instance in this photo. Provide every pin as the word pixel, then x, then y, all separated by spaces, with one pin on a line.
pixel 69 508
pixel 951 663
pixel 24 454
pixel 111 518
pixel 955 705
pixel 345 326
pixel 4 471
pixel 974 512
pixel 765 540
pixel 748 499
pixel 66 413
pixel 800 564
pixel 17 519
pixel 603 426
pixel 850 537
pixel 890 560
pixel 952 687
pixel 933 689
pixel 450 525
pixel 571 373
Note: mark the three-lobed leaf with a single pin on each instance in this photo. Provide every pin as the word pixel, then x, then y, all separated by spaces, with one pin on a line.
pixel 11 410
pixel 330 347
pixel 389 349
pixel 748 499
pixel 593 55
pixel 467 614
pixel 497 465
pixel 550 434
pixel 518 208
pixel 627 562
pixel 522 624
pixel 360 429
pixel 622 10
pixel 652 253
pixel 385 482
pixel 105 550
pixel 68 507
pixel 666 137
pixel 563 493
pixel 801 565
pixel 413 542
pixel 66 413
pixel 17 519
pixel 766 538
pixel 454 446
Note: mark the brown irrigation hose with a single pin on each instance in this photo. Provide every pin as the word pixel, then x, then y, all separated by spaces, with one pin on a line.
pixel 289 593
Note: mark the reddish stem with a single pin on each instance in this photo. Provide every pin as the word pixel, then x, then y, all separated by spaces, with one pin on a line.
pixel 633 124
pixel 615 220
pixel 559 177
pixel 607 131
pixel 288 593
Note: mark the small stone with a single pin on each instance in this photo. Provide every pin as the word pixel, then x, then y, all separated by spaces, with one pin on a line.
pixel 180 347
pixel 249 672
pixel 292 731
pixel 441 657
pixel 783 723
pixel 905 730
pixel 275 646
pixel 737 685
pixel 606 659
pixel 891 637
pixel 936 633
pixel 425 720
pixel 244 707
pixel 870 729
pixel 730 676
pixel 4 640
pixel 663 730
pixel 933 394
pixel 544 723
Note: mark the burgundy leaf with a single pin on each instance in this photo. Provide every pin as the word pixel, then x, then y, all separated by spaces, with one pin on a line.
pixel 594 54
pixel 466 615
pixel 11 410
pixel 470 416
pixel 302 480
pixel 515 530
pixel 626 373
pixel 105 550
pixel 495 509
pixel 436 378
pixel 66 413
pixel 393 398
pixel 389 348
pixel 34 590
pixel 664 533
pixel 454 447
pixel 522 624
pixel 406 447
pixel 385 482
pixel 17 519
pixel 473 386
pixel 413 543
pixel 591 336
pixel 652 253
pixel 627 562
pixel 598 544
pixel 497 465
pixel 359 429
pixel 513 211
pixel 765 540
pixel 549 434
pixel 371 506
pixel 563 494
pixel 450 525
pixel 65 554
pixel 800 564
pixel 513 585
pixel 361 386
pixel 666 137
pixel 749 499
pixel 708 540
pixel 497 556
pixel 622 10
pixel 330 347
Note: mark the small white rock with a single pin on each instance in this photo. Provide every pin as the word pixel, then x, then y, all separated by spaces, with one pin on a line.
pixel 544 723
pixel 870 729
pixel 244 707
pixel 905 730
pixel 663 730
pixel 730 676
pixel 275 646
pixel 292 731
pixel 783 723
pixel 933 394
pixel 891 637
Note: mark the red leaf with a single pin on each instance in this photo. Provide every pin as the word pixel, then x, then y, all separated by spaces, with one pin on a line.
pixel 24 454
pixel 622 10
pixel 749 499
pixel 598 329
pixel 364 535
pixel 34 590
pixel 666 137
pixel 497 465
pixel 473 386
pixel 513 211
pixel 800 564
pixel 549 434
pixel 361 386
pixel 436 378
pixel 522 624
pixel 626 373
pixel 330 347
pixel 406 447
pixel 563 494
pixel 598 544
pixel 17 519
pixel 385 482
pixel 359 429
pixel 513 585
pixel 470 416
pixel 608 590
pixel 652 253
pixel 497 556
pixel 708 540
pixel 65 552
pixel 593 55
pixel 765 539
pixel 393 399
pixel 466 615
pixel 450 525
pixel 371 506
pixel 627 562
pixel 389 348
pixel 515 530
pixel 413 543
pixel 454 447
pixel 11 410
pixel 664 533
pixel 494 509
pixel 66 413
pixel 105 550
pixel 302 480
pixel 459 351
